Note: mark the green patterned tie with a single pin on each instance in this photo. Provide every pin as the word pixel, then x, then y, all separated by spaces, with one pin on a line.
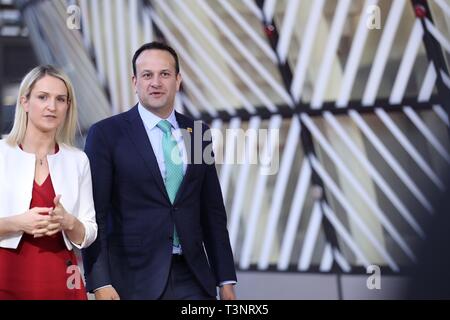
pixel 174 166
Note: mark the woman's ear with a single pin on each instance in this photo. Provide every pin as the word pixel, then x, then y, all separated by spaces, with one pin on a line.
pixel 24 103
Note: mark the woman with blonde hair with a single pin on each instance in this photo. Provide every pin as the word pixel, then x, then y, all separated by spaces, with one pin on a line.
pixel 46 203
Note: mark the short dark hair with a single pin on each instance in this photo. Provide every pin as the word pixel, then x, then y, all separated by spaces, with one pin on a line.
pixel 156 46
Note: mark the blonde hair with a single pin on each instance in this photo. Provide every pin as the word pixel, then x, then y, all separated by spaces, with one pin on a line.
pixel 66 132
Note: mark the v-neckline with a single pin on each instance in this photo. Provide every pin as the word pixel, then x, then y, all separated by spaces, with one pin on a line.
pixel 48 176
pixel 40 185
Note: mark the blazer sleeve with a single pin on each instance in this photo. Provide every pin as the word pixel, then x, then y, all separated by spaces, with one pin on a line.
pixel 95 258
pixel 86 211
pixel 214 227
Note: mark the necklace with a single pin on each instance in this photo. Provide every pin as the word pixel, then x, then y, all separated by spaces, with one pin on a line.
pixel 40 160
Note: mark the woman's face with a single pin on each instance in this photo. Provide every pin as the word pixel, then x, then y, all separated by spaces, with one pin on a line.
pixel 47 104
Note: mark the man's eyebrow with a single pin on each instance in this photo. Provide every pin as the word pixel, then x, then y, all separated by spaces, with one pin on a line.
pixel 148 70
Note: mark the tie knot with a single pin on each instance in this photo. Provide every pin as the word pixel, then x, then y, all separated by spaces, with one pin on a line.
pixel 164 125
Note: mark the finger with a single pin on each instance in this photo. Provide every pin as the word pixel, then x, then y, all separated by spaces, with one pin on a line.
pixel 38 235
pixel 40 210
pixel 53 226
pixel 56 200
pixel 42 224
pixel 54 214
pixel 56 219
pixel 50 233
pixel 43 217
pixel 57 210
pixel 39 231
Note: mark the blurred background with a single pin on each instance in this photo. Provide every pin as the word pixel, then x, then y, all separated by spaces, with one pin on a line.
pixel 359 91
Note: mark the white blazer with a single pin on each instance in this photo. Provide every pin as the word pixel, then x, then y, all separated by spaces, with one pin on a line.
pixel 71 177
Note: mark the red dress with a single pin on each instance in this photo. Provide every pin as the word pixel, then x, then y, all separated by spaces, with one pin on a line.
pixel 40 268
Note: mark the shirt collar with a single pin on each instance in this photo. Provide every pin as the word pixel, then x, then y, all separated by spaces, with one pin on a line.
pixel 151 120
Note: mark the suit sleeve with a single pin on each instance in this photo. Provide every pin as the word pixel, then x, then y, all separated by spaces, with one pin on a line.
pixel 95 258
pixel 214 227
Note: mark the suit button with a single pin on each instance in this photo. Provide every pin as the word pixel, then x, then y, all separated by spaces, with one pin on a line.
pixel 175 209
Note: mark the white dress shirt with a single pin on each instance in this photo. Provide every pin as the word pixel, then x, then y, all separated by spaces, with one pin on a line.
pixel 155 136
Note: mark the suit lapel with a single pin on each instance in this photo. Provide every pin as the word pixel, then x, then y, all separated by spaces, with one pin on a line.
pixel 138 135
pixel 186 124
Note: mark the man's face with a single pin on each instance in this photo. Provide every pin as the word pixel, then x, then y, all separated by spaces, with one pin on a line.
pixel 156 81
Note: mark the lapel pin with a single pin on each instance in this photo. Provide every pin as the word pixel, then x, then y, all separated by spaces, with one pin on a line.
pixel 189 129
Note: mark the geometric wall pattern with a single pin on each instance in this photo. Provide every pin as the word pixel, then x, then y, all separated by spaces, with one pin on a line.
pixel 358 92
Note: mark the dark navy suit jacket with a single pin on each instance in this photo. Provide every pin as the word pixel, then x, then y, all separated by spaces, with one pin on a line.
pixel 136 219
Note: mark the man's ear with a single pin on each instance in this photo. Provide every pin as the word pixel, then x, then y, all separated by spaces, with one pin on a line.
pixel 179 80
pixel 134 79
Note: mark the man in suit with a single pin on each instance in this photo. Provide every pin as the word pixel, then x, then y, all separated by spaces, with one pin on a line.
pixel 162 222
